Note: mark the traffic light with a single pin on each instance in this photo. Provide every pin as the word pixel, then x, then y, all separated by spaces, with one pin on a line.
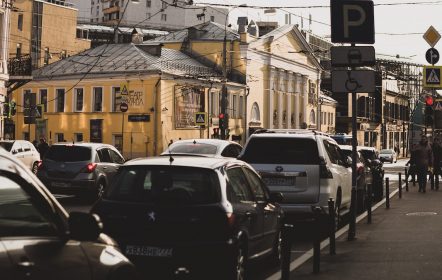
pixel 221 123
pixel 429 112
pixel 227 134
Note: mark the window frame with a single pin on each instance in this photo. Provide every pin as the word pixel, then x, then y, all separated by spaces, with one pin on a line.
pixel 76 99
pixel 57 102
pixel 94 98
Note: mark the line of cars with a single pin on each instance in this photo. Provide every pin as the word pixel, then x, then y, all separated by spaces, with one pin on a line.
pixel 196 208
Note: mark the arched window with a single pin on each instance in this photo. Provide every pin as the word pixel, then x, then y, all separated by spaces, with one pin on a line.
pixel 255 115
pixel 312 117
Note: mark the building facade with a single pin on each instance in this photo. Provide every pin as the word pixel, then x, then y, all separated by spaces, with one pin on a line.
pixel 5 9
pixel 163 89
pixel 160 14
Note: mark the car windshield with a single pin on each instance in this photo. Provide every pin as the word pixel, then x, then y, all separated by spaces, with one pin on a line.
pixel 165 185
pixel 281 151
pixel 7 145
pixel 69 153
pixel 193 148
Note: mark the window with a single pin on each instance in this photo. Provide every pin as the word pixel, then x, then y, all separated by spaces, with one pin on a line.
pixel 44 98
pixel 255 115
pixel 18 50
pixel 214 103
pixel 78 99
pixel 234 106
pixel 148 3
pixel 163 16
pixel 212 18
pixel 115 157
pixel 78 137
pixel 231 151
pixel 59 137
pixel 148 16
pixel 241 107
pixel 257 186
pixel 117 142
pixel 98 99
pixel 163 5
pixel 69 153
pixel 47 56
pixel 116 99
pixel 238 183
pixel 104 156
pixel 23 98
pixel 60 95
pixel 20 22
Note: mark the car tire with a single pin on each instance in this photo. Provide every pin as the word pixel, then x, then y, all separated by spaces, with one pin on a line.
pixel 338 209
pixel 101 186
pixel 276 256
pixel 35 167
pixel 237 267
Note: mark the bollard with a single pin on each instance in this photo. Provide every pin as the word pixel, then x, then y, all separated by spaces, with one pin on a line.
pixel 317 240
pixel 333 226
pixel 369 202
pixel 286 247
pixel 387 192
pixel 406 180
pixel 400 185
pixel 437 182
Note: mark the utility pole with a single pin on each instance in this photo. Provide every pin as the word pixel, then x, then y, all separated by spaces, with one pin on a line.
pixel 224 124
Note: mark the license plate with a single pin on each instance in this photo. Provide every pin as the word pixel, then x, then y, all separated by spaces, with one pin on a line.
pixel 280 181
pixel 59 184
pixel 148 251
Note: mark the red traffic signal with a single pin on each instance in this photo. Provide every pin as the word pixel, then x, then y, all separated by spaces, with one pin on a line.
pixel 221 116
pixel 429 101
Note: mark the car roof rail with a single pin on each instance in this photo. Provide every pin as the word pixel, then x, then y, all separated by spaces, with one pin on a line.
pixel 291 131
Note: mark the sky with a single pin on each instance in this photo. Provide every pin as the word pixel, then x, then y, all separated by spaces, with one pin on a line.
pixel 399 28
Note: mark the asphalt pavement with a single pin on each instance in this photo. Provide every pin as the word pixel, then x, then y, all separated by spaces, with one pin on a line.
pixel 403 242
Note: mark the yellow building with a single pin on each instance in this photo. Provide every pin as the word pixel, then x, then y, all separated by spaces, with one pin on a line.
pixel 82 95
pixel 46 31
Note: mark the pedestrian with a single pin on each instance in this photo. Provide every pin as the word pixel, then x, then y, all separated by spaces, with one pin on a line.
pixel 412 163
pixel 43 147
pixel 35 143
pixel 437 156
pixel 424 161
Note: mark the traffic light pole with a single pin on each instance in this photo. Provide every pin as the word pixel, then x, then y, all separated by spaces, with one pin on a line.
pixel 223 124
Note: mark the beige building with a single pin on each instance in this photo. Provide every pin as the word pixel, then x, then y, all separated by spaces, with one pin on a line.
pixel 4 37
pixel 327 113
pixel 44 32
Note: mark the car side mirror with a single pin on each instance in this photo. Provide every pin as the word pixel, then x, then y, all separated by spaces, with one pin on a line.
pixel 276 197
pixel 14 152
pixel 349 161
pixel 84 226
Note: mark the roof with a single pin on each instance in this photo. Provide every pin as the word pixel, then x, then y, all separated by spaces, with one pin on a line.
pixel 209 31
pixel 124 30
pixel 81 144
pixel 197 162
pixel 124 58
pixel 327 98
pixel 220 144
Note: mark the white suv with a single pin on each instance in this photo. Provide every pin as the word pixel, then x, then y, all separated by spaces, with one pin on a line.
pixel 24 151
pixel 306 166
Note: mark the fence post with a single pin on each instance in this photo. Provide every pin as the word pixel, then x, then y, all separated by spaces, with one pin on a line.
pixel 332 237
pixel 286 246
pixel 387 192
pixel 406 180
pixel 400 185
pixel 317 239
pixel 369 202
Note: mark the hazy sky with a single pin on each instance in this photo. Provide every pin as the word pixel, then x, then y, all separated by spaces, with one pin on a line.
pixel 399 28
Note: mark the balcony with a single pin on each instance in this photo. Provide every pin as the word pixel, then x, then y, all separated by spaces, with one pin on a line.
pixel 20 72
pixel 111 10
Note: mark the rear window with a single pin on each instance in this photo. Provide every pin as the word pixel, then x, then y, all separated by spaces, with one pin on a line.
pixel 6 145
pixel 371 155
pixel 387 151
pixel 165 185
pixel 69 153
pixel 191 148
pixel 281 151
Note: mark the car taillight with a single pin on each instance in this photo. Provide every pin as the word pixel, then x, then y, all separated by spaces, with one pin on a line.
pixel 360 170
pixel 90 167
pixel 324 171
pixel 230 219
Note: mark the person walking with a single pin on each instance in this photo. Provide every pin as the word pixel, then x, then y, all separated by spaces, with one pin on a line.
pixel 43 147
pixel 412 163
pixel 437 156
pixel 424 161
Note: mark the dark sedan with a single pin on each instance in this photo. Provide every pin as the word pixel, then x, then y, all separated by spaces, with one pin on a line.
pixel 192 215
pixel 39 240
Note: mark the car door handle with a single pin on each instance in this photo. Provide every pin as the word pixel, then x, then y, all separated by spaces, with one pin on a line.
pixel 25 267
pixel 248 214
pixel 104 167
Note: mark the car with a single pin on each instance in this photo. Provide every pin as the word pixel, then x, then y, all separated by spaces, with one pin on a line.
pixel 306 166
pixel 24 150
pixel 371 155
pixel 364 175
pixel 40 240
pixel 199 214
pixel 82 168
pixel 205 147
pixel 388 155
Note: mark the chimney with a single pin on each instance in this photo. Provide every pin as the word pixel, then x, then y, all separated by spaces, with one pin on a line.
pixel 137 38
pixel 194 33
pixel 154 49
pixel 242 23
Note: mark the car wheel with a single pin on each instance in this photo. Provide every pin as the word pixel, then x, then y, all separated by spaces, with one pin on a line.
pixel 276 256
pixel 35 167
pixel 237 269
pixel 338 209
pixel 100 189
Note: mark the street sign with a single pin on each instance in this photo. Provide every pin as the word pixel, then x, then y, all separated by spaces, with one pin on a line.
pixel 201 118
pixel 432 56
pixel 344 81
pixel 124 107
pixel 432 77
pixel 352 21
pixel 438 106
pixel 432 36
pixel 353 56
pixel 139 118
pixel 124 88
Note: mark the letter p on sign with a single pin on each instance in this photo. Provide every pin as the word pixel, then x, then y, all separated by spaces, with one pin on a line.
pixel 352 21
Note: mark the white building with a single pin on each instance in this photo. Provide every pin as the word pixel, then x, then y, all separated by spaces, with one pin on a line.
pixel 163 14
pixel 84 9
pixel 5 8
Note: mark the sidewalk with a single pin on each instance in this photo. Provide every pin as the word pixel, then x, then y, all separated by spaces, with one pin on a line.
pixel 403 242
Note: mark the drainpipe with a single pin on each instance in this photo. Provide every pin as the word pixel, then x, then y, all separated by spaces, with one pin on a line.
pixel 155 118
pixel 246 130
